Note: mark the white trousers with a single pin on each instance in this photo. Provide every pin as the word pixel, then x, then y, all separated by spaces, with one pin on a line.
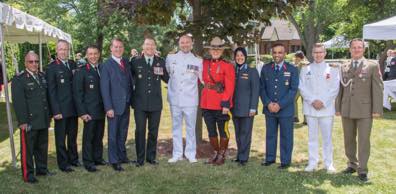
pixel 190 116
pixel 325 124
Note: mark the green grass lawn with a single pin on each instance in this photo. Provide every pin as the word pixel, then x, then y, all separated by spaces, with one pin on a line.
pixel 200 178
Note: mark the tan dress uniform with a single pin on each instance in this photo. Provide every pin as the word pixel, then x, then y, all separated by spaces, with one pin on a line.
pixel 359 97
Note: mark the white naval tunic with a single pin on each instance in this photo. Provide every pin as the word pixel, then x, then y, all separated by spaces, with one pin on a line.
pixel 185 71
pixel 319 82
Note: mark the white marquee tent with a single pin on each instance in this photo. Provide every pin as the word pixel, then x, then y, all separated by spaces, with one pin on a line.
pixel 19 27
pixel 382 30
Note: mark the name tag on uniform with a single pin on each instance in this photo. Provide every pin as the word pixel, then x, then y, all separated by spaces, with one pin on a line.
pixel 158 71
pixel 192 68
pixel 30 84
pixel 245 76
pixel 286 74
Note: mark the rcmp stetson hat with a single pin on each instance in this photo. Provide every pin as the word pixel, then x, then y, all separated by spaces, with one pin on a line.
pixel 216 43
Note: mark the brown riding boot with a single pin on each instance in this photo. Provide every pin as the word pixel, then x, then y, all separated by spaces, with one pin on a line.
pixel 214 142
pixel 223 149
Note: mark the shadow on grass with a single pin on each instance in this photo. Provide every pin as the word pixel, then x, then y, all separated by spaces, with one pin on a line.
pixel 182 177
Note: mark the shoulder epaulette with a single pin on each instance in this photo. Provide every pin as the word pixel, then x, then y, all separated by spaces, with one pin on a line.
pixel 335 65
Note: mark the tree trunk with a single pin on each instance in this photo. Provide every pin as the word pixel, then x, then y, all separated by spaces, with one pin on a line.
pixel 198 48
pixel 100 25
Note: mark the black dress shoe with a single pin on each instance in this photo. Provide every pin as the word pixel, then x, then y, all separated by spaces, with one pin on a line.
pixel 125 161
pixel 76 164
pixel 101 163
pixel 67 169
pixel 242 163
pixel 117 167
pixel 284 166
pixel 363 177
pixel 235 160
pixel 266 163
pixel 91 168
pixel 349 170
pixel 45 173
pixel 296 120
pixel 153 162
pixel 137 164
pixel 32 180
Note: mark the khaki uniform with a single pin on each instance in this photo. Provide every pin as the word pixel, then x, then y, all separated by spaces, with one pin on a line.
pixel 359 97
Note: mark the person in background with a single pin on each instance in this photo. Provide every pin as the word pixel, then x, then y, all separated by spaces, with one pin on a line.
pixel 299 62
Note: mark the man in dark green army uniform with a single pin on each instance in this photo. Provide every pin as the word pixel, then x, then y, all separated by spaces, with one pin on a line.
pixel 89 105
pixel 29 97
pixel 59 76
pixel 147 70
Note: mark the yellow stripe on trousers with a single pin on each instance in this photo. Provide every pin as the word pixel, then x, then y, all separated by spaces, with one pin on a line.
pixel 227 132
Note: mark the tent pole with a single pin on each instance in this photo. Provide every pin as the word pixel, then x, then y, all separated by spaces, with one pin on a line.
pixel 41 52
pixel 9 116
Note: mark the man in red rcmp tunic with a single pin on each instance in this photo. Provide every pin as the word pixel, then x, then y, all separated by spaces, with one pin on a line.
pixel 216 101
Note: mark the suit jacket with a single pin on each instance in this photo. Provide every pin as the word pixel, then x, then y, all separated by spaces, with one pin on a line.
pixel 280 87
pixel 361 90
pixel 86 90
pixel 147 94
pixel 246 93
pixel 60 88
pixel 116 86
pixel 29 97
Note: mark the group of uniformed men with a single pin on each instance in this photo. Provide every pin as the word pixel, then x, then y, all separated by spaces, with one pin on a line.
pixel 94 92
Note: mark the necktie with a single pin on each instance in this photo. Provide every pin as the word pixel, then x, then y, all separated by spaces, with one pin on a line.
pixel 97 71
pixel 277 68
pixel 149 62
pixel 67 65
pixel 36 78
pixel 122 65
pixel 355 64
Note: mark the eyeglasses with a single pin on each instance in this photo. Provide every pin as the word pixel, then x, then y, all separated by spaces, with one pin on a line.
pixel 31 62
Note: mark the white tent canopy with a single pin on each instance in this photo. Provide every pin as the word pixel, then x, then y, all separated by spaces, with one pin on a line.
pixel 382 30
pixel 18 27
pixel 21 27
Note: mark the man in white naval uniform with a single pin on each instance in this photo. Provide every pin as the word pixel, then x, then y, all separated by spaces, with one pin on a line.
pixel 319 85
pixel 185 71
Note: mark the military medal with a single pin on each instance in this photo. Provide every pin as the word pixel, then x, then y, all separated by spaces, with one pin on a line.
pixel 158 70
pixel 91 86
pixel 287 83
pixel 140 76
pixel 286 74
pixel 62 81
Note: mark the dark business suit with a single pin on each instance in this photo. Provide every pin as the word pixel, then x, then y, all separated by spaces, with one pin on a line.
pixel 116 86
pixel 147 104
pixel 279 86
pixel 246 95
pixel 60 92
